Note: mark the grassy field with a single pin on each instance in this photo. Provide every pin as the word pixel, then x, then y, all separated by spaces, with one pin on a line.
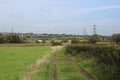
pixel 66 70
pixel 15 60
pixel 62 69
pixel 43 73
pixel 31 44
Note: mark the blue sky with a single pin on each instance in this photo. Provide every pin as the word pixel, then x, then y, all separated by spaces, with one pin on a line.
pixel 60 16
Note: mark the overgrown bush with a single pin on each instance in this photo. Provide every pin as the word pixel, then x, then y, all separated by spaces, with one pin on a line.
pixel 56 43
pixel 75 40
pixel 94 38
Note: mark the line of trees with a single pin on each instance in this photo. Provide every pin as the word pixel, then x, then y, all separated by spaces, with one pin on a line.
pixel 96 38
pixel 15 38
pixel 116 38
pixel 93 39
pixel 11 38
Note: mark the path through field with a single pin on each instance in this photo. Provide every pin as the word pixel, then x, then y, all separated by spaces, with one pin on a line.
pixel 32 69
pixel 65 68
pixel 59 63
pixel 81 69
pixel 53 69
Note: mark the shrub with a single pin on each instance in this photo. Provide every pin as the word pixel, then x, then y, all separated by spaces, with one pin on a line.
pixel 56 43
pixel 94 38
pixel 75 40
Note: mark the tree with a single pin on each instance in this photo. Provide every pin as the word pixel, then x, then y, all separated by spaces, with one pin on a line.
pixel 64 40
pixel 56 43
pixel 2 38
pixel 75 40
pixel 13 38
pixel 116 38
pixel 94 38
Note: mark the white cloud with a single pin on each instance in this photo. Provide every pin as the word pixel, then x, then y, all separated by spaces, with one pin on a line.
pixel 108 7
pixel 87 10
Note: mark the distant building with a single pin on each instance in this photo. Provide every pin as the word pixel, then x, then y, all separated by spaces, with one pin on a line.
pixel 40 41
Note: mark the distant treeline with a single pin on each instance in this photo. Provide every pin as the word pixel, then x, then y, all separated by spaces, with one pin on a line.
pixel 11 38
pixel 73 39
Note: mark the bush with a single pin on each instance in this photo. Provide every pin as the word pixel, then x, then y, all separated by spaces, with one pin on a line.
pixel 94 38
pixel 56 43
pixel 75 40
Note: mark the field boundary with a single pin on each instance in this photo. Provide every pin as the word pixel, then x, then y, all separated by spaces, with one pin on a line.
pixel 53 68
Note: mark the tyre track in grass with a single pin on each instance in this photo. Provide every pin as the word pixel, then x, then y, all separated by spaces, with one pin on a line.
pixel 53 65
pixel 53 69
pixel 82 70
pixel 33 68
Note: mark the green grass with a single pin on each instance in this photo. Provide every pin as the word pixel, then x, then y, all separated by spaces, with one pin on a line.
pixel 44 72
pixel 66 70
pixel 90 66
pixel 15 60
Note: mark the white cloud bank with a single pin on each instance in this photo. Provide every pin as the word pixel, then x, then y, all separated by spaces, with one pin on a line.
pixel 87 10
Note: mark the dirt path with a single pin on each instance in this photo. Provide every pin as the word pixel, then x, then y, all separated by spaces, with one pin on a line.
pixel 56 48
pixel 32 69
pixel 70 60
pixel 53 66
pixel 82 70
pixel 53 69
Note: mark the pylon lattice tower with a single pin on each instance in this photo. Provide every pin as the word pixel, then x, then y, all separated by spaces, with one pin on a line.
pixel 84 32
pixel 94 29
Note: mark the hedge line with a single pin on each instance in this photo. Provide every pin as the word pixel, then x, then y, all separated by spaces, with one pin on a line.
pixel 108 57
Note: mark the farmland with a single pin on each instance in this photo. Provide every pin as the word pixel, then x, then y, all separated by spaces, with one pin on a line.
pixel 14 61
pixel 70 62
pixel 37 63
pixel 59 39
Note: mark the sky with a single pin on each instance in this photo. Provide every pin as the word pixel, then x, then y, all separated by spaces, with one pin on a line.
pixel 60 16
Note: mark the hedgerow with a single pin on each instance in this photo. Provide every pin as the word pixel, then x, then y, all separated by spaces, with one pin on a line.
pixel 107 57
